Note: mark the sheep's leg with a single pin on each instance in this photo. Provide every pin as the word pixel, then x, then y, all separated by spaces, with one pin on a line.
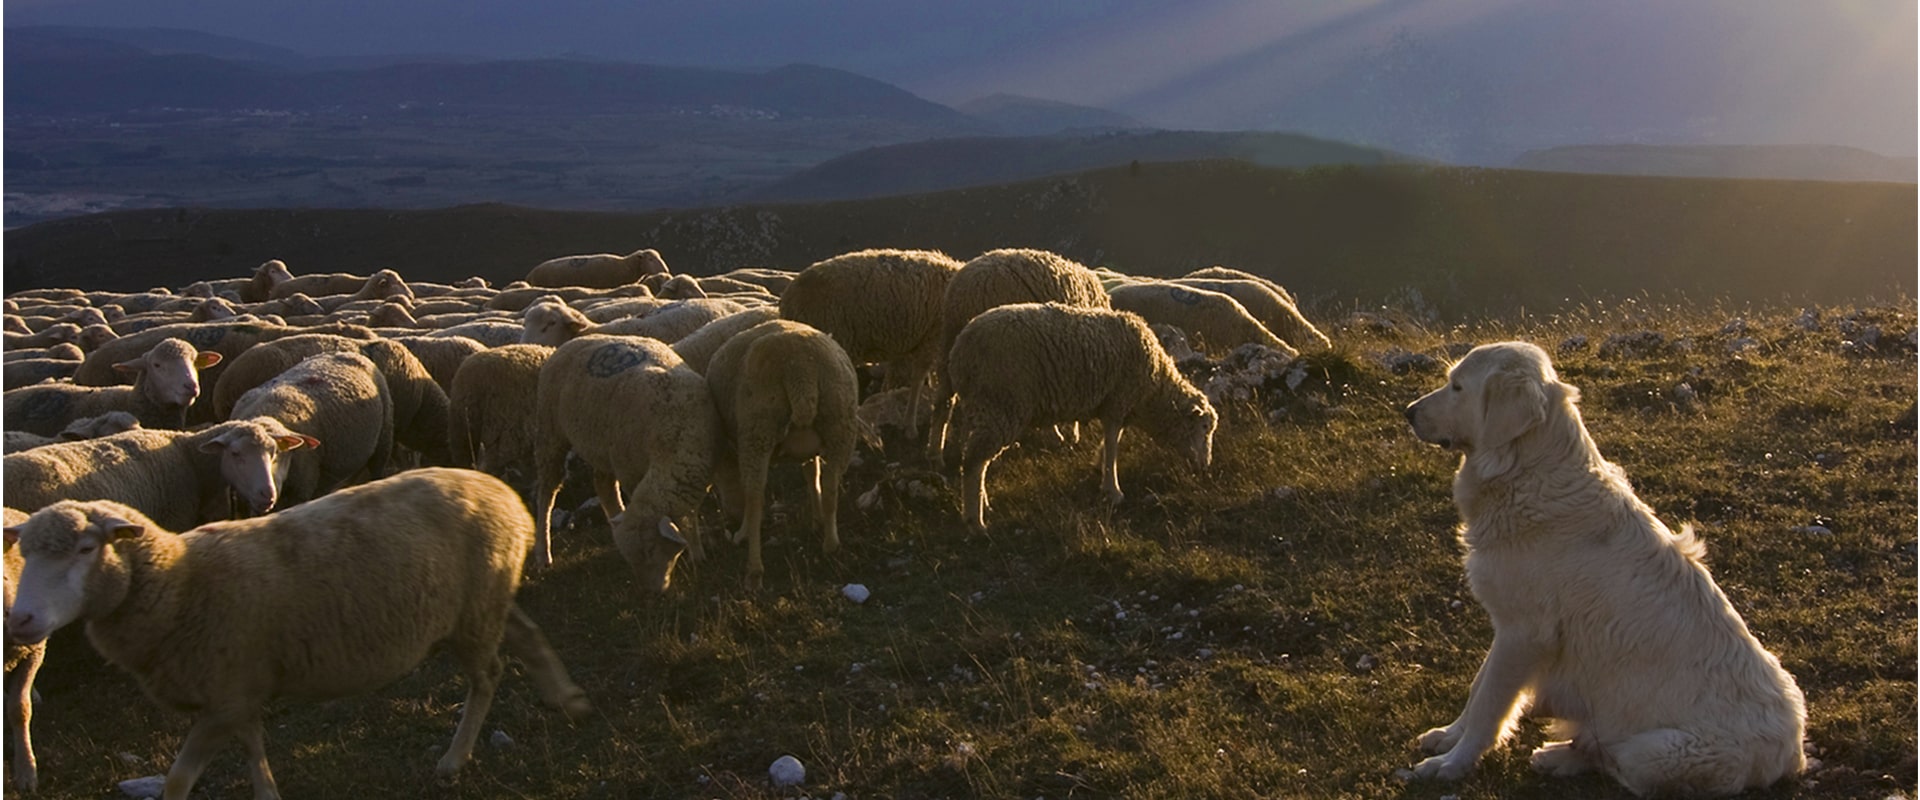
pixel 1110 464
pixel 607 488
pixel 830 468
pixel 981 446
pixel 550 470
pixel 524 641
pixel 254 738
pixel 483 670
pixel 939 420
pixel 26 775
pixel 203 740
pixel 753 490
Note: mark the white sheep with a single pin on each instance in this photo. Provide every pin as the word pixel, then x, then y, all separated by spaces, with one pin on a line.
pixel 783 390
pixel 697 348
pixel 178 477
pixel 1270 304
pixel 488 332
pixel 23 372
pixel 490 423
pixel 166 382
pixel 598 271
pixel 1214 320
pixel 1031 364
pixel 552 323
pixel 23 663
pixel 341 399
pixel 335 598
pixel 381 284
pixel 259 287
pixel 996 278
pixel 64 351
pixel 419 404
pixel 775 281
pixel 638 417
pixel 441 355
pixel 883 306
pixel 56 333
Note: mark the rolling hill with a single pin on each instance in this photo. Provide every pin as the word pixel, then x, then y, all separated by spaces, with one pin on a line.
pixel 1016 115
pixel 1463 241
pixel 1806 162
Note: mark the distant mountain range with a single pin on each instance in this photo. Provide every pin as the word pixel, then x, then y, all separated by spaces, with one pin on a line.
pixel 956 163
pixel 1804 162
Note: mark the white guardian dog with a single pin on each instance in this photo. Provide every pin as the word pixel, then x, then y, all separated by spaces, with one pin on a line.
pixel 1603 620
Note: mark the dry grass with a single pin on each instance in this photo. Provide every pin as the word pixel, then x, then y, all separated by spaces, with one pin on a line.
pixel 1281 627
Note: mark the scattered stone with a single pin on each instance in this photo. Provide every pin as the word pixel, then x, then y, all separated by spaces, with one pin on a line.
pixel 500 739
pixel 868 499
pixel 787 771
pixel 144 788
pixel 1809 320
pixel 1742 344
pixel 1864 342
pixel 1812 530
pixel 1402 362
pixel 856 592
pixel 1283 493
pixel 1685 397
pixel 1734 327
pixel 1576 343
pixel 1633 345
pixel 1366 663
pixel 130 759
pixel 1403 775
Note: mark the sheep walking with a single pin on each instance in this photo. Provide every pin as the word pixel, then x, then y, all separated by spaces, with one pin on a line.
pixel 177 478
pixel 338 597
pixel 997 278
pixel 641 418
pixel 783 390
pixel 883 306
pixel 1031 364
pixel 341 399
pixel 166 381
pixel 23 663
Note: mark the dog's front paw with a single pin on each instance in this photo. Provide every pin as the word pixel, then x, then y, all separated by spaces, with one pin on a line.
pixel 1560 760
pixel 1442 768
pixel 1439 740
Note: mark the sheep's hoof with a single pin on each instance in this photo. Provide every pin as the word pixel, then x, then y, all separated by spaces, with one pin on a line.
pixel 830 544
pixel 577 707
pixel 738 536
pixel 540 560
pixel 1114 497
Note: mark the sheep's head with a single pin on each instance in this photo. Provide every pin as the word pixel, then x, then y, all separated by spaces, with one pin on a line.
pixel 169 373
pixel 651 544
pixel 387 283
pixel 253 457
pixel 62 332
pixel 71 569
pixel 1189 427
pixel 299 304
pixel 106 424
pixel 392 314
pixel 550 322
pixel 274 271
pixel 92 336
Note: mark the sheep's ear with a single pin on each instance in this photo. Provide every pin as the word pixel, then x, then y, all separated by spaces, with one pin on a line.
pixel 131 365
pixel 206 359
pixel 671 532
pixel 116 529
pixel 578 324
pixel 214 445
pixel 295 441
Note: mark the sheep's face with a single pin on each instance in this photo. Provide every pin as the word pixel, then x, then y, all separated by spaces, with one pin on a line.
pixel 64 547
pixel 254 457
pixel 548 324
pixel 651 544
pixel 170 372
pixel 274 271
pixel 387 283
pixel 1193 431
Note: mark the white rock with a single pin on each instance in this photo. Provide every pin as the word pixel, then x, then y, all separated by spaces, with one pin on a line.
pixel 1815 530
pixel 500 739
pixel 855 592
pixel 1404 775
pixel 787 771
pixel 144 788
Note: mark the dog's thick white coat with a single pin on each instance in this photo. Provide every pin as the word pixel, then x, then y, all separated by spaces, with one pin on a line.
pixel 1604 620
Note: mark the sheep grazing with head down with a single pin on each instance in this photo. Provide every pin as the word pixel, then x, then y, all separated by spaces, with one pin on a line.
pixel 883 306
pixel 598 270
pixel 1270 304
pixel 490 423
pixel 640 418
pixel 23 663
pixel 178 477
pixel 1217 322
pixel 783 390
pixel 1031 364
pixel 166 382
pixel 338 398
pixel 338 597
pixel 997 278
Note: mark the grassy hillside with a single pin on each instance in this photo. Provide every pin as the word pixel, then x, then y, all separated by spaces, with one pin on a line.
pixel 1283 626
pixel 1453 241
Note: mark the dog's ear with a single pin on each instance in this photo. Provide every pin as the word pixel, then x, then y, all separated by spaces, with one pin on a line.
pixel 1512 403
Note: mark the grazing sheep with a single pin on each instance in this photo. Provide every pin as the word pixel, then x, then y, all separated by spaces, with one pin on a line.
pixel 639 417
pixel 23 372
pixel 997 278
pixel 419 404
pixel 441 355
pixel 177 476
pixel 337 398
pixel 23 663
pixel 883 306
pixel 597 271
pixel 1032 364
pixel 56 333
pixel 1269 304
pixel 166 382
pixel 338 597
pixel 64 351
pixel 490 424
pixel 697 348
pixel 783 390
pixel 1217 322
pixel 1219 273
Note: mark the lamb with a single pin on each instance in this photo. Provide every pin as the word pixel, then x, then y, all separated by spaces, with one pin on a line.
pixel 490 424
pixel 1031 364
pixel 335 598
pixel 639 417
pixel 166 382
pixel 268 275
pixel 883 306
pixel 997 278
pixel 419 404
pixel 1268 303
pixel 697 348
pixel 23 663
pixel 338 398
pixel 1217 322
pixel 785 390
pixel 597 271
pixel 177 476
pixel 441 355
pixel 56 333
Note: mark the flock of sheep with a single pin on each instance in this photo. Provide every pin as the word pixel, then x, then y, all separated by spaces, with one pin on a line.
pixel 358 429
